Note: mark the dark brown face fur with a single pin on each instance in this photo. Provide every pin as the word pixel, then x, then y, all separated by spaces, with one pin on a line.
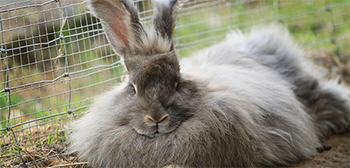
pixel 154 91
pixel 159 93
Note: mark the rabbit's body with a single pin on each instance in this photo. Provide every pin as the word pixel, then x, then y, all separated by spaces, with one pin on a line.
pixel 234 123
pixel 246 101
pixel 325 101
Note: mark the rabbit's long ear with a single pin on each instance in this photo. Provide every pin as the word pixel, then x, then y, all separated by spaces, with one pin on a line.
pixel 164 18
pixel 121 23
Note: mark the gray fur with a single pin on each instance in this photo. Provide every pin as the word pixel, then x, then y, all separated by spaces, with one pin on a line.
pixel 327 102
pixel 164 17
pixel 248 101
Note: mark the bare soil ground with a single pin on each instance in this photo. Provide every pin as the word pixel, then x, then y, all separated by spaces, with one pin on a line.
pixel 337 154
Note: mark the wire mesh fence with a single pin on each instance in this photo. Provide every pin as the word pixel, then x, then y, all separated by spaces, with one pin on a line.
pixel 55 58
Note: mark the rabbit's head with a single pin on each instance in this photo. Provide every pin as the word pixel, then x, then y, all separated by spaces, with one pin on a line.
pixel 154 73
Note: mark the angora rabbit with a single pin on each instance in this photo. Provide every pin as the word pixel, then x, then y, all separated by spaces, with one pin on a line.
pixel 249 101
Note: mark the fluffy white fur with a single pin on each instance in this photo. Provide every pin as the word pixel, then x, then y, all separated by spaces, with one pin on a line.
pixel 165 3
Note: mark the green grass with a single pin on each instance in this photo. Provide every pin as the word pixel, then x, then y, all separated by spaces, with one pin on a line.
pixel 309 23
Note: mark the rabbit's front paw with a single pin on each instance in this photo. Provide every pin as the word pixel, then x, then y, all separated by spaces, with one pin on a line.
pixel 178 166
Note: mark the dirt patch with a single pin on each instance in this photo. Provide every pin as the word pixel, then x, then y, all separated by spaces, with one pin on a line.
pixel 337 156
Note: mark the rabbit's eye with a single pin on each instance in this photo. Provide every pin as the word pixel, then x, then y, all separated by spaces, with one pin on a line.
pixel 134 88
pixel 176 85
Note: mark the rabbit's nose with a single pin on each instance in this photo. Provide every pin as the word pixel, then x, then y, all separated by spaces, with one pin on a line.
pixel 162 121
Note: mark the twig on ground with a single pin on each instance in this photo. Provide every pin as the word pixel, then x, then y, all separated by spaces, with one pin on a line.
pixel 70 164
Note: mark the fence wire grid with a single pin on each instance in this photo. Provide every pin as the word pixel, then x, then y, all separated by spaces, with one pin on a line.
pixel 55 58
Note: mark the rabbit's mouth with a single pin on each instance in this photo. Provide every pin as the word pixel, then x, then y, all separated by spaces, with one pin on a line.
pixel 154 132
